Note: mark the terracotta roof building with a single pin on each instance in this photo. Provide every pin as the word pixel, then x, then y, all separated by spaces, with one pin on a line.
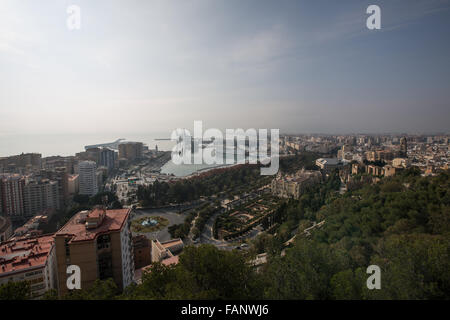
pixel 99 242
pixel 30 260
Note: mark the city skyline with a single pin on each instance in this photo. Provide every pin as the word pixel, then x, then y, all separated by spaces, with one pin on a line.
pixel 155 66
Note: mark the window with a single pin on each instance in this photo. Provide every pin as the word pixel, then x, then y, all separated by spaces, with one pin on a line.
pixel 103 241
pixel 105 266
pixel 67 247
pixel 29 274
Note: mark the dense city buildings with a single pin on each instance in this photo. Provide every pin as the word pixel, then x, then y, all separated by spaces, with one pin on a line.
pixel 23 163
pixel 429 153
pixel 99 242
pixel 53 162
pixel 31 260
pixel 88 183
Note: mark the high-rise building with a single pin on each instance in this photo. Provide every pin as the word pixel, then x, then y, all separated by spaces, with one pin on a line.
pixel 51 163
pixel 99 242
pixel 91 154
pixel 403 148
pixel 11 192
pixel 107 158
pixel 40 195
pixel 131 150
pixel 87 178
pixel 31 260
pixel 60 175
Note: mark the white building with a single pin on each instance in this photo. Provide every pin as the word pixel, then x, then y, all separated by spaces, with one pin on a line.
pixel 87 178
pixel 328 163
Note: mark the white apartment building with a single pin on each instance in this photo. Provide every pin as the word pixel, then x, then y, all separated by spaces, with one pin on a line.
pixel 87 178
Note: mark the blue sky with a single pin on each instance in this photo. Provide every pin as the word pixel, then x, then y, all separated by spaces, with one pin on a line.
pixel 152 66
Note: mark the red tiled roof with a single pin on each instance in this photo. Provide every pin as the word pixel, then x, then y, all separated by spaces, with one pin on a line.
pixel 171 260
pixel 24 253
pixel 75 227
pixel 96 213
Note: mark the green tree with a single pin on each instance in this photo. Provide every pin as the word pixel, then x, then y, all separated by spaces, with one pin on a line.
pixel 15 291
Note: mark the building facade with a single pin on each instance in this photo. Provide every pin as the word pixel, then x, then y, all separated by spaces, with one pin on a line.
pixel 162 251
pixel 59 174
pixel 5 229
pixel 73 184
pixel 11 192
pixel 30 260
pixel 131 150
pixel 40 195
pixel 87 178
pixel 99 242
pixel 292 186
pixel 142 251
pixel 108 158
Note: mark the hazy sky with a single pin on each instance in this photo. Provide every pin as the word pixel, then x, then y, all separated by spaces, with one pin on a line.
pixel 151 66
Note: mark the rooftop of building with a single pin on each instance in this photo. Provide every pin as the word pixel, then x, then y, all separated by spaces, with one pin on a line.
pixel 171 243
pixel 130 142
pixel 24 253
pixel 11 176
pixel 170 261
pixel 110 221
pixel 329 161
